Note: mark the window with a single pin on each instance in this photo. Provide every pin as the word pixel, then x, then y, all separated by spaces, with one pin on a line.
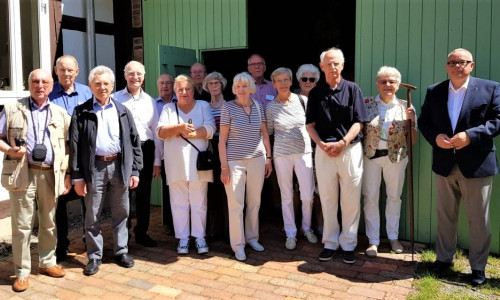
pixel 22 45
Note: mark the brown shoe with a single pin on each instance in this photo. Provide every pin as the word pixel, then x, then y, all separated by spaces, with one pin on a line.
pixel 20 285
pixel 54 271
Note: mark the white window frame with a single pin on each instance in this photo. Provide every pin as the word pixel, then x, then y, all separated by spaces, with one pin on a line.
pixel 16 75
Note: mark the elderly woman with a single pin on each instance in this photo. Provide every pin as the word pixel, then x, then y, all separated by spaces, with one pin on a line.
pixel 217 222
pixel 245 157
pixel 307 76
pixel 385 150
pixel 186 120
pixel 286 119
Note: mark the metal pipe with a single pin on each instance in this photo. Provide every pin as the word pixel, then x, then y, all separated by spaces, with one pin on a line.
pixel 91 51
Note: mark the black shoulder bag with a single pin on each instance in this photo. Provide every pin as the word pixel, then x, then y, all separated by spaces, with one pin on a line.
pixel 205 160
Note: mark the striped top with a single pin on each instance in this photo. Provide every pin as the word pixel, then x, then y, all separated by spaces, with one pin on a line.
pixel 244 139
pixel 216 113
pixel 288 124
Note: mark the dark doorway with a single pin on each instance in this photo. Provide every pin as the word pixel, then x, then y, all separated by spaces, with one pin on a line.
pixel 289 34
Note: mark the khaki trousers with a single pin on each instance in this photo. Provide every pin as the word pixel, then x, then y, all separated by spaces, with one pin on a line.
pixel 39 195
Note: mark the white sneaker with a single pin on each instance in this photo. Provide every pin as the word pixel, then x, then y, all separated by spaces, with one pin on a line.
pixel 396 246
pixel 291 243
pixel 372 251
pixel 201 245
pixel 183 247
pixel 311 237
pixel 256 246
pixel 240 255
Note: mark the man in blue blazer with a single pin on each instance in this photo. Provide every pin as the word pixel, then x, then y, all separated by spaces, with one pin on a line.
pixel 460 117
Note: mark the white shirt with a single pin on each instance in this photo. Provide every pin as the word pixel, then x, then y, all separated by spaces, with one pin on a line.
pixel 388 112
pixel 455 102
pixel 145 117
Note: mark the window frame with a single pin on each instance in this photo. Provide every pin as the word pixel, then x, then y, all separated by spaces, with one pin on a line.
pixel 16 73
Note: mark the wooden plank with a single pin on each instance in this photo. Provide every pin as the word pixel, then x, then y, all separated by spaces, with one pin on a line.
pixel 482 55
pixel 378 33
pixel 243 24
pixel 455 24
pixel 218 25
pixel 202 24
pixel 173 36
pixel 365 45
pixel 390 27
pixel 233 19
pixel 469 21
pixel 226 23
pixel 209 24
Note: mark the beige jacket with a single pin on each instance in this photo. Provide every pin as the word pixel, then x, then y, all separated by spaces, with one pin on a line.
pixel 17 115
pixel 396 141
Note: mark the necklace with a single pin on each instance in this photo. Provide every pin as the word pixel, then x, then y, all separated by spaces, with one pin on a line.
pixel 283 103
pixel 220 105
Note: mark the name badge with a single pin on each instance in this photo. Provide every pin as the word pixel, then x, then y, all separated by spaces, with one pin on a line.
pixel 269 97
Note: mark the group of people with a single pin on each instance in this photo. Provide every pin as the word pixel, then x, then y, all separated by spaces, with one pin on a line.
pixel 110 146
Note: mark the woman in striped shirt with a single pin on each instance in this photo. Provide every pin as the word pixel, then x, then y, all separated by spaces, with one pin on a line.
pixel 245 156
pixel 286 119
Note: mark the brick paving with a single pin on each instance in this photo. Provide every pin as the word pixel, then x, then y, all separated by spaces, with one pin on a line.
pixel 276 273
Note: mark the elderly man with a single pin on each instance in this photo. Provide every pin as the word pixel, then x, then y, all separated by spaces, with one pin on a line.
pixel 335 114
pixel 460 117
pixel 146 118
pixel 67 94
pixel 198 74
pixel 166 94
pixel 33 133
pixel 105 162
pixel 264 89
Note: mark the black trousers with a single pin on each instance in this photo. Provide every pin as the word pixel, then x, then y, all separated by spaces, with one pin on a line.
pixel 62 218
pixel 166 208
pixel 141 195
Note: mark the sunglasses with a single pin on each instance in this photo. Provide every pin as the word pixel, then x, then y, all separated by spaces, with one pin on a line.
pixel 305 79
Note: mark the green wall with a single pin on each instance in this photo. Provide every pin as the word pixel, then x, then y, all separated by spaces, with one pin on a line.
pixel 193 24
pixel 415 36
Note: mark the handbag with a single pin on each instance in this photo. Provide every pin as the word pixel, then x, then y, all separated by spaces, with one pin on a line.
pixel 205 160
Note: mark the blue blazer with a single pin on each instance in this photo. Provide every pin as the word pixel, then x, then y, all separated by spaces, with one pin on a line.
pixel 479 118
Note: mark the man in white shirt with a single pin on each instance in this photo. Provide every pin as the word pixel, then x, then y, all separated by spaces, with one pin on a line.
pixel 146 118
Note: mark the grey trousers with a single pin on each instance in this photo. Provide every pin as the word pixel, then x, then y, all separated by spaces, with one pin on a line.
pixel 475 194
pixel 107 184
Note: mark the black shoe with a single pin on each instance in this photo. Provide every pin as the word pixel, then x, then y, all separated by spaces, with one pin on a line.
pixel 61 254
pixel 439 266
pixel 92 267
pixel 327 254
pixel 349 257
pixel 124 260
pixel 145 240
pixel 478 278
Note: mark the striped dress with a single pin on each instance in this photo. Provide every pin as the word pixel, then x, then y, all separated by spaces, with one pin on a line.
pixel 288 124
pixel 244 140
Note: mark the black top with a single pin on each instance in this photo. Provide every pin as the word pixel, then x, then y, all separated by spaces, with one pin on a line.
pixel 204 95
pixel 335 111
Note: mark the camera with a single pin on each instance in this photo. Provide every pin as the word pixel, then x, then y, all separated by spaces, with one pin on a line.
pixel 19 141
pixel 39 152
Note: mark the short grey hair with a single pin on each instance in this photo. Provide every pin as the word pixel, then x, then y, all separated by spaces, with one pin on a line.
pixel 67 56
pixel 389 71
pixel 99 70
pixel 256 55
pixel 461 49
pixel 127 66
pixel 245 78
pixel 334 49
pixel 214 76
pixel 280 71
pixel 181 78
pixel 308 68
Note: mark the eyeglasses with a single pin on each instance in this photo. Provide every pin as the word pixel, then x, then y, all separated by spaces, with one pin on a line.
pixel 138 74
pixel 281 81
pixel 44 83
pixel 165 82
pixel 385 82
pixel 461 63
pixel 254 65
pixel 305 79
pixel 213 83
pixel 198 72
pixel 69 71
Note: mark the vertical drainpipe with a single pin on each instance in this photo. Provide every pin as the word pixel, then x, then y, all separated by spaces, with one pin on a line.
pixel 91 54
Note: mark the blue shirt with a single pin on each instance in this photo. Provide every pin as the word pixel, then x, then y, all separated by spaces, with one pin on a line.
pixel 108 129
pixel 80 94
pixel 160 103
pixel 41 118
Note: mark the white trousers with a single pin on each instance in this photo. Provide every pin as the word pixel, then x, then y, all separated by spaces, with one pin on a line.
pixel 344 170
pixel 188 200
pixel 303 166
pixel 394 179
pixel 245 183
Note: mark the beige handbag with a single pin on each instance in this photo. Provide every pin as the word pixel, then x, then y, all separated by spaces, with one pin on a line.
pixel 15 176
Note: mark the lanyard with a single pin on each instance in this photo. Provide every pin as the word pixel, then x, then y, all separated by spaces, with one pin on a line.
pixel 33 121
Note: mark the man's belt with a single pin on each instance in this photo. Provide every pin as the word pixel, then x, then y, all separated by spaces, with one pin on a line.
pixel 111 157
pixel 380 153
pixel 146 141
pixel 40 167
